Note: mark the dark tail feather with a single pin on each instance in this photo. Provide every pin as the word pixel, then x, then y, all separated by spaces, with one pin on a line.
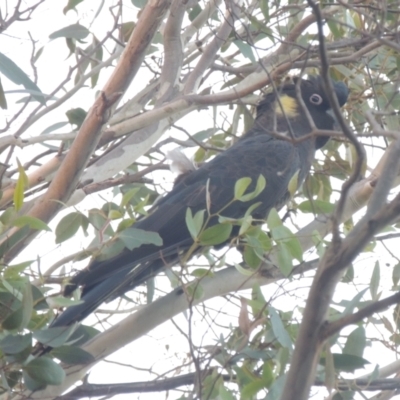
pixel 90 301
pixel 119 280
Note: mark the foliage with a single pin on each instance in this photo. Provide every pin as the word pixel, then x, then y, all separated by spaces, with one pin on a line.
pixel 94 98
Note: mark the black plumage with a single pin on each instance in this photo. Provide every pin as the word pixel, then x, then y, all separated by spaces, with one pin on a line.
pixel 272 148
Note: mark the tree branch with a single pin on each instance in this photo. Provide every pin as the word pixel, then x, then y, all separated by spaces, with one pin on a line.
pixel 336 259
pixel 70 171
pixel 332 328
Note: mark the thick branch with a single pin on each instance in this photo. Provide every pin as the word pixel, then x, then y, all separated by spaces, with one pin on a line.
pixel 97 390
pixel 70 171
pixel 336 259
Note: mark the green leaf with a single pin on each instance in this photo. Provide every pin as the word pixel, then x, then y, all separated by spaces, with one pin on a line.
pixel 356 342
pixel 334 28
pixel 355 302
pixel 201 273
pixel 264 6
pixel 210 385
pixel 12 304
pixel 216 234
pixel 20 317
pixel 194 290
pixel 346 362
pixel 282 359
pixel 114 214
pixel 293 183
pixel 194 223
pixel 75 31
pixel 14 344
pixel 76 116
pixel 126 198
pixel 225 394
pixel 396 274
pixel 139 3
pixel 251 389
pixel 32 222
pixel 250 210
pixel 13 378
pixel 267 374
pixel 54 337
pixel 95 61
pixel 54 127
pixel 27 306
pixel 61 301
pixel 241 186
pixel 330 373
pixel 133 238
pixel 279 329
pixel 98 219
pixel 128 27
pixel 396 315
pixel 244 271
pixel 82 334
pixel 39 300
pixel 245 225
pixel 32 384
pixel 246 50
pixel 375 279
pixel 14 320
pixel 72 355
pixel 150 286
pixel 16 75
pixel 3 100
pixel 15 288
pixel 68 226
pixel 251 258
pixel 125 224
pixel 111 249
pixel 260 186
pixel 284 258
pixel 14 271
pixel 265 241
pixel 22 183
pixel 194 12
pixel 316 207
pixel 273 219
pixel 8 215
pixel 20 358
pixel 257 296
pixel 258 245
pixel 282 234
pixel 349 274
pixel 276 389
pixel 38 53
pixel 71 5
pixel 46 371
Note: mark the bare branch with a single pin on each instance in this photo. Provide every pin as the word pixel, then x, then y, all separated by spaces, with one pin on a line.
pixel 209 53
pixel 332 328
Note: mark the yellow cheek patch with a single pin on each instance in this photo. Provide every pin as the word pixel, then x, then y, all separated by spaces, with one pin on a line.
pixel 288 106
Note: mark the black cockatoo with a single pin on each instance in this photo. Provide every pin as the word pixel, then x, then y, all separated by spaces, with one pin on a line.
pixel 271 148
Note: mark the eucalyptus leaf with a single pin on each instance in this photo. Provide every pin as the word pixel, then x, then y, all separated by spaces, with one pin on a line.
pixel 75 31
pixel 45 371
pixel 133 238
pixel 11 70
pixel 72 355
